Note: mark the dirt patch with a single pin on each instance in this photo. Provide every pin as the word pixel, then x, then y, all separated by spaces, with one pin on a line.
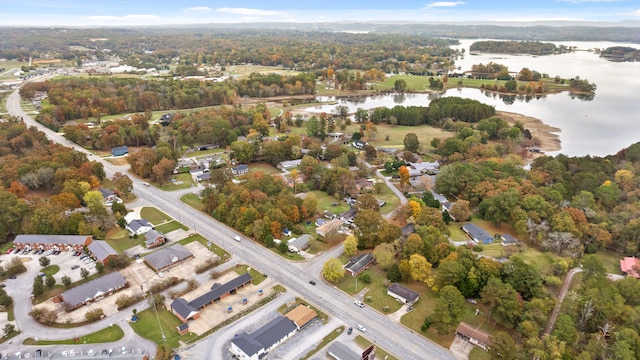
pixel 544 135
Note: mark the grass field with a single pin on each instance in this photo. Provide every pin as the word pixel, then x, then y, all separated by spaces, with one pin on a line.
pixel 329 203
pixel 257 276
pixel 220 252
pixel 610 260
pixel 246 70
pixel 154 215
pixel 177 182
pixel 199 153
pixel 264 167
pixel 192 200
pixel 376 296
pixel 50 270
pixel 170 226
pixel 119 239
pixel 107 335
pixel 151 327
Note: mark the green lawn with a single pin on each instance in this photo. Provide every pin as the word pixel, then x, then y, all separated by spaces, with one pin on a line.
pixel 199 153
pixel 479 354
pixel 119 239
pixel 170 226
pixel 155 216
pixel 387 195
pixel 152 327
pixel 329 203
pixel 325 341
pixel 51 269
pixel 177 182
pixel 110 334
pixel 4 247
pixel 192 200
pixel 610 260
pixel 376 296
pixel 264 167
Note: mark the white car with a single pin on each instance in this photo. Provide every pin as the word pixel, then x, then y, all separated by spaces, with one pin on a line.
pixel 359 303
pixel 362 328
pixel 90 352
pixel 160 274
pixel 237 238
pixel 124 350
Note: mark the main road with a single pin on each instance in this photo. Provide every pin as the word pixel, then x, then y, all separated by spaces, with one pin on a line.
pixel 394 337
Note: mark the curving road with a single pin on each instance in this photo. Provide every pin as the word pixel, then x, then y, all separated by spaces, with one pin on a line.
pixel 399 340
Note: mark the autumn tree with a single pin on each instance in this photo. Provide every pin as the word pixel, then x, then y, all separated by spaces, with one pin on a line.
pixel 123 183
pixel 161 172
pixel 412 245
pixel 460 210
pixel 332 270
pixel 350 245
pixel 403 172
pixel 243 151
pixel 384 255
pixel 421 269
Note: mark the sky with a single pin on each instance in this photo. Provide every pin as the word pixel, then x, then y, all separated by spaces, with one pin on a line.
pixel 161 12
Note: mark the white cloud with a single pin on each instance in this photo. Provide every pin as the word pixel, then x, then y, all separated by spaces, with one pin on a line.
pixel 635 13
pixel 140 16
pixel 249 12
pixel 439 4
pixel 122 18
pixel 198 9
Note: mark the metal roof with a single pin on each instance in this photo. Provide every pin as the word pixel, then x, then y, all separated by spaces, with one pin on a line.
pixel 217 290
pixel 52 239
pixel 166 257
pixel 101 250
pixel 403 292
pixel 94 288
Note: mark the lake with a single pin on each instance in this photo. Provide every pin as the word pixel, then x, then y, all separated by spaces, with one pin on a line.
pixel 601 126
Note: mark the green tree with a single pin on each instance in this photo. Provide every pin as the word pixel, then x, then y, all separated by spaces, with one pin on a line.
pixel 449 309
pixel 332 270
pixel 8 330
pixel 394 274
pixel 243 151
pixel 84 273
pixel 504 347
pixel 99 267
pixel 44 261
pixel 592 266
pixel 400 85
pixel 503 302
pixel 95 203
pixel 66 281
pixel 412 245
pixel 411 142
pixel 123 183
pixel 350 245
pixel 38 286
pixel 50 281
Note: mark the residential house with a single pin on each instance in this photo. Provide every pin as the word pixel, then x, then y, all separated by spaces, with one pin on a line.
pixel 153 238
pixel 93 290
pixel 165 119
pixel 138 226
pixel 425 167
pixel 119 150
pixel 109 196
pixel 630 266
pixel 284 165
pixel 329 215
pixel 340 351
pixel 358 264
pixel 300 243
pixel 473 335
pixel 257 344
pixel 359 144
pixel 408 229
pixel 328 227
pixel 52 242
pixel 240 169
pixel 168 257
pixel 477 234
pixel 403 294
pixel 508 240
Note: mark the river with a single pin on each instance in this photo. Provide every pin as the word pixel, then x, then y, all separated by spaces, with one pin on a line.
pixel 601 126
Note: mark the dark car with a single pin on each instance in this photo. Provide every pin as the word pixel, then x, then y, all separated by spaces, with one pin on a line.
pixel 349 331
pixel 312 282
pixel 75 267
pixel 13 277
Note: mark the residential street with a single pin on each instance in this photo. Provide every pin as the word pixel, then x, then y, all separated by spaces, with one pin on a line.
pixel 400 341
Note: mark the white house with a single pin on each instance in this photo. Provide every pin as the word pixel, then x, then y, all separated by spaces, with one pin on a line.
pixel 138 226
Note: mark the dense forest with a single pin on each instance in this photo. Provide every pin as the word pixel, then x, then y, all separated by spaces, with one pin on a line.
pixel 42 184
pixel 81 98
pixel 518 47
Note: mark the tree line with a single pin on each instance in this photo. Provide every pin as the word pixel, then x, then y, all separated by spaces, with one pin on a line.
pixel 519 47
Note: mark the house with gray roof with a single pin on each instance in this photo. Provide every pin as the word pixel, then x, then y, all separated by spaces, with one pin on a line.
pixel 138 226
pixel 153 238
pixel 240 169
pixel 477 234
pixel 358 264
pixel 102 251
pixel 168 257
pixel 508 240
pixel 52 242
pixel 403 294
pixel 93 290
pixel 300 243
pixel 257 344
pixel 184 310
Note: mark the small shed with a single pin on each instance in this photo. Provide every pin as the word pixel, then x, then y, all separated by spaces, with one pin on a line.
pixel 508 240
pixel 475 336
pixel 403 294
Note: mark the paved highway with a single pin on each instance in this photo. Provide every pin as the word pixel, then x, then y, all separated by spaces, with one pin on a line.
pixel 397 339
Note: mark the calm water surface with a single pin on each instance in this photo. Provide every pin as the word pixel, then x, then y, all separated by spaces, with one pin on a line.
pixel 602 126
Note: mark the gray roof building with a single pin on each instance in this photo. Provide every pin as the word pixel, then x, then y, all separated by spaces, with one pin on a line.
pixel 265 338
pixel 340 351
pixel 137 224
pixel 219 290
pixel 300 243
pixel 508 239
pixel 358 264
pixel 93 290
pixel 403 294
pixel 168 257
pixel 183 309
pixel 53 240
pixel 101 250
pixel 477 234
pixel 153 238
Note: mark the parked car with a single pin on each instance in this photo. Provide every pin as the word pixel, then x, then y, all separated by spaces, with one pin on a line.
pixel 312 282
pixel 359 303
pixel 349 331
pixel 161 274
pixel 9 250
pixel 362 328
pixel 75 267
pixel 124 350
pixel 236 238
pixel 12 277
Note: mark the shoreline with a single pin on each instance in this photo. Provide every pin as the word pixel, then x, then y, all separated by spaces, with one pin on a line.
pixel 544 136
